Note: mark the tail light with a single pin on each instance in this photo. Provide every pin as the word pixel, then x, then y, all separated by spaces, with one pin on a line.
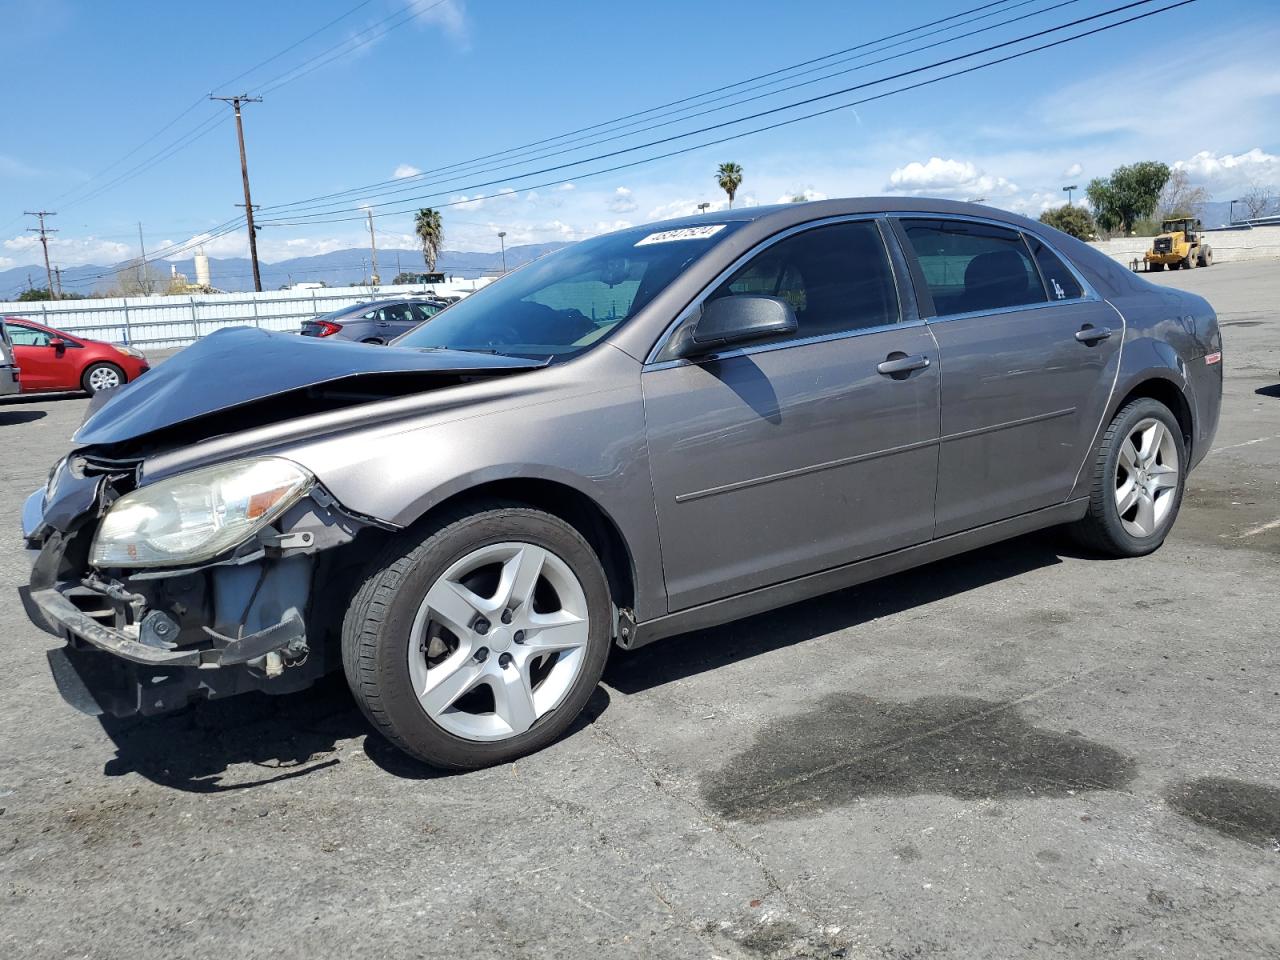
pixel 326 329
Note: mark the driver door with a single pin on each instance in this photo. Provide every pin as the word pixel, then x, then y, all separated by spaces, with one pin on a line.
pixel 783 458
pixel 43 367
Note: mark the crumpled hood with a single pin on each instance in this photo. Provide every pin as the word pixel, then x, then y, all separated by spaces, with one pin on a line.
pixel 241 365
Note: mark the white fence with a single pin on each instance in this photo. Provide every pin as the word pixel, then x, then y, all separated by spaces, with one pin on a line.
pixel 177 321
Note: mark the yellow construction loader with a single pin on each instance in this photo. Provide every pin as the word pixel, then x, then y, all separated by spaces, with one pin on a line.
pixel 1179 246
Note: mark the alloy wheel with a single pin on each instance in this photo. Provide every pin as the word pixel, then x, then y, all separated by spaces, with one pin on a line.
pixel 498 641
pixel 104 378
pixel 1146 481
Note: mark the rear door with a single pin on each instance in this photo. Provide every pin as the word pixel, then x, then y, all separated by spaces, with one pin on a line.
pixel 395 319
pixel 1028 362
pixel 784 458
pixel 8 369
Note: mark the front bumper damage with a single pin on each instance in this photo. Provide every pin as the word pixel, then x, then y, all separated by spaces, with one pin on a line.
pixel 146 642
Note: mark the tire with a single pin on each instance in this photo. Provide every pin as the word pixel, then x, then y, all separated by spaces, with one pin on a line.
pixel 98 376
pixel 1206 257
pixel 1106 528
pixel 391 631
pixel 373 340
pixel 1156 267
pixel 1189 262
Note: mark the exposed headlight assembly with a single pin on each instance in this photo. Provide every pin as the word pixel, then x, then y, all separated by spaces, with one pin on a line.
pixel 193 517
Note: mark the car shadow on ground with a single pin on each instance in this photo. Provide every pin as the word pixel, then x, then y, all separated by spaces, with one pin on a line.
pixel 10 418
pixel 25 398
pixel 1271 391
pixel 676 658
pixel 206 747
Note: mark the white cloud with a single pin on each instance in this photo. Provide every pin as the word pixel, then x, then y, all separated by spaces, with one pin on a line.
pixel 406 170
pixel 1072 171
pixel 688 208
pixel 65 251
pixel 1230 172
pixel 450 16
pixel 567 186
pixel 807 194
pixel 623 201
pixel 948 178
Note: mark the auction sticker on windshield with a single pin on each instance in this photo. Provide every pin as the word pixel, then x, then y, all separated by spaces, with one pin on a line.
pixel 684 233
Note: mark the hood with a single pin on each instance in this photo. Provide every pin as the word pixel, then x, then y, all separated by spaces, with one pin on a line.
pixel 238 366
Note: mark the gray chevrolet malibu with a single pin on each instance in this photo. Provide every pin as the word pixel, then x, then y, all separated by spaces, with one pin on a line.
pixel 652 431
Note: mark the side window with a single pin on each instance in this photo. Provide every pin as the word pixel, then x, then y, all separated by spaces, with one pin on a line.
pixel 974 267
pixel 423 311
pixel 1058 280
pixel 836 278
pixel 21 336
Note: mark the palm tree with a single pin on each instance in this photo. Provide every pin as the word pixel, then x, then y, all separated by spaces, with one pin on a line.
pixel 729 176
pixel 430 234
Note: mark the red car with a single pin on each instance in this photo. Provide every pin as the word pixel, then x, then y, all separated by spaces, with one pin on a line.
pixel 52 360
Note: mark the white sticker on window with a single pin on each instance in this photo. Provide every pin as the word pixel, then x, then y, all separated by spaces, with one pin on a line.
pixel 684 233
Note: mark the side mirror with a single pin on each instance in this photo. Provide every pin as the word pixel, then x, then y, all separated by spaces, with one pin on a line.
pixel 738 319
pixel 58 344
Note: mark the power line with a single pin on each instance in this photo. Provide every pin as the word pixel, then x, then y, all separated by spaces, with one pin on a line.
pixel 365 194
pixel 662 107
pixel 313 217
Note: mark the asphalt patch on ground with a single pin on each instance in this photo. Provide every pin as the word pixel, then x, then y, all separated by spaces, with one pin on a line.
pixel 851 747
pixel 1235 808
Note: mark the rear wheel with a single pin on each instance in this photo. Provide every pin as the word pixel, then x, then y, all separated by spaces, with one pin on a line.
pixel 1206 258
pixel 1138 478
pixel 102 376
pixel 374 340
pixel 480 639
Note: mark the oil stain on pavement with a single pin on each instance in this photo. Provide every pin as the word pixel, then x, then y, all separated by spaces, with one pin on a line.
pixel 850 747
pixel 1245 811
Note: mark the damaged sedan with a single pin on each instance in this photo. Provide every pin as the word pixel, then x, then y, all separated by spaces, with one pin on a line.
pixel 646 433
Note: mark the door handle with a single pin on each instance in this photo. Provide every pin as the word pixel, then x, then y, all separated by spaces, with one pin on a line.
pixel 1089 334
pixel 899 364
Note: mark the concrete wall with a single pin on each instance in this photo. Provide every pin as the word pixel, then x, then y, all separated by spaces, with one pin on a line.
pixel 1227 245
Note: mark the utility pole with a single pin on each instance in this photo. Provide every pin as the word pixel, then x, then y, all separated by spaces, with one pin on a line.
pixel 44 242
pixel 244 175
pixel 502 239
pixel 57 278
pixel 373 246
pixel 144 287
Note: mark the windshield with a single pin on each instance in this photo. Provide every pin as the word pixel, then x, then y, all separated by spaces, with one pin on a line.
pixel 562 304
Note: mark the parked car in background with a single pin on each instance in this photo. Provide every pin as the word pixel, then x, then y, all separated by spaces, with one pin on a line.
pixel 646 433
pixel 53 360
pixel 9 383
pixel 379 321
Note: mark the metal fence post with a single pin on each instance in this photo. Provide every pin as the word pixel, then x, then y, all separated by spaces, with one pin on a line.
pixel 256 321
pixel 195 320
pixel 128 329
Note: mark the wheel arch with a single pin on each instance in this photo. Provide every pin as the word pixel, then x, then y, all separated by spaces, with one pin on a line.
pixel 560 499
pixel 1162 386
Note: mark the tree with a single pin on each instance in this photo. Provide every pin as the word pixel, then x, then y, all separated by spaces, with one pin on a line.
pixel 1071 219
pixel 1130 192
pixel 136 279
pixel 430 234
pixel 1180 199
pixel 729 176
pixel 1259 201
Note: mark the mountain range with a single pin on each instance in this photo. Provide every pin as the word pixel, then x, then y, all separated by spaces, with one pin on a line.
pixel 337 269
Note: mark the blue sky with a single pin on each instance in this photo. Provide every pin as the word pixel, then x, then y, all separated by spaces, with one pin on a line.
pixel 88 82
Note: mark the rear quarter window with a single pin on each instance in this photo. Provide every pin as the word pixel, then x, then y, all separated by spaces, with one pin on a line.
pixel 1060 282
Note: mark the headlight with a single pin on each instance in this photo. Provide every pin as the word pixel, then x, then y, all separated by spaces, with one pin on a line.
pixel 196 516
pixel 129 351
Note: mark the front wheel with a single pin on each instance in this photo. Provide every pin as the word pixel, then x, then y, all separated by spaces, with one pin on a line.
pixel 1139 475
pixel 102 376
pixel 480 639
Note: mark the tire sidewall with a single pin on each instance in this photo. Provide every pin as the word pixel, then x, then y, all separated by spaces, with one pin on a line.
pixel 421 735
pixel 1125 421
